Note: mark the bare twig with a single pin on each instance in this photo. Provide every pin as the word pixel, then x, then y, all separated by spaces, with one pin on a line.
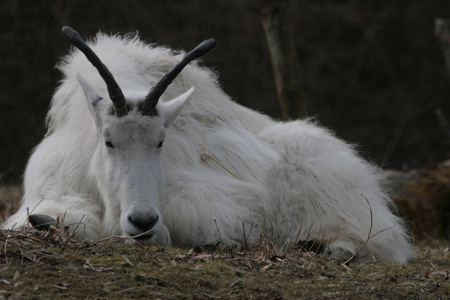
pixel 5 251
pixel 218 231
pixel 37 205
pixel 244 242
pixel 111 239
pixel 368 236
pixel 298 233
pixel 251 227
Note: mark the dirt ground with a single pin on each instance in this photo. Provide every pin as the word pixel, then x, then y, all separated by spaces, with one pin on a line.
pixel 38 266
pixel 50 265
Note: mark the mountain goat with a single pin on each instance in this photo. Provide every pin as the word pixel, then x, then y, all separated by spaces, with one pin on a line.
pixel 116 161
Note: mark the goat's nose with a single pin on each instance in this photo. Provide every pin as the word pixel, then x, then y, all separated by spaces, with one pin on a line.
pixel 143 222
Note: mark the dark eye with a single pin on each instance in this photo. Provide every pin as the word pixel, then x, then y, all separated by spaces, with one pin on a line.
pixel 160 144
pixel 109 144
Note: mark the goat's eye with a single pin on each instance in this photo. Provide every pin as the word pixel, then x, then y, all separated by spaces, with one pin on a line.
pixel 160 144
pixel 109 144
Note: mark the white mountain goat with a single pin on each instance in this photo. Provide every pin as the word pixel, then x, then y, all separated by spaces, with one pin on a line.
pixel 116 161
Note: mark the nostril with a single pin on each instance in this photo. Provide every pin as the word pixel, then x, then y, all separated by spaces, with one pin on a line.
pixel 143 223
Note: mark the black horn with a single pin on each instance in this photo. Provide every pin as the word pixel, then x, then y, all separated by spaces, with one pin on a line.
pixel 114 91
pixel 149 105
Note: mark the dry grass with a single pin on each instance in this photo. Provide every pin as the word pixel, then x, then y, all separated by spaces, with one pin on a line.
pixel 51 265
pixel 48 265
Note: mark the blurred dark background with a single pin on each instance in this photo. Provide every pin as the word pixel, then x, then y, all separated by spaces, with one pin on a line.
pixel 372 70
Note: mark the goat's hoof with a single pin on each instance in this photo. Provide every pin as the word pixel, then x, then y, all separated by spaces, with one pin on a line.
pixel 41 222
pixel 340 254
pixel 311 246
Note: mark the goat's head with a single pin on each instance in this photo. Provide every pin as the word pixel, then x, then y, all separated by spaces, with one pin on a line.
pixel 128 161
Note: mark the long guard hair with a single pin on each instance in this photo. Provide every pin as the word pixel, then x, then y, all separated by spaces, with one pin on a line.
pixel 185 165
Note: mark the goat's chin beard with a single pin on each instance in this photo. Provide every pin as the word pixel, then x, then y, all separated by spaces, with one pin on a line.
pixel 145 239
pixel 160 238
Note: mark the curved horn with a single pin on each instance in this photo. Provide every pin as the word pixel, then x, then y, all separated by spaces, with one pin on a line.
pixel 149 105
pixel 114 91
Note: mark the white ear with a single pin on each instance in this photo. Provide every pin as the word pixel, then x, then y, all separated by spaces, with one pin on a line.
pixel 92 97
pixel 169 110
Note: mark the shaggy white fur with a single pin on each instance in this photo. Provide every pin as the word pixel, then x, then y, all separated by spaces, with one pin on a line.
pixel 223 169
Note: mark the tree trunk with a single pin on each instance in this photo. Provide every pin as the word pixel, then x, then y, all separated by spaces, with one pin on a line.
pixel 284 63
pixel 442 32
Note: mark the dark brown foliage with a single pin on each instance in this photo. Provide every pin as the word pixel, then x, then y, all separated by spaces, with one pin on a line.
pixel 424 201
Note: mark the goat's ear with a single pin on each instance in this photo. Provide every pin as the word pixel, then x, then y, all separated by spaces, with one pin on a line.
pixel 169 110
pixel 93 99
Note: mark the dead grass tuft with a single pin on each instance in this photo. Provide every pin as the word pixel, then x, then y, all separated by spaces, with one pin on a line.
pixel 51 264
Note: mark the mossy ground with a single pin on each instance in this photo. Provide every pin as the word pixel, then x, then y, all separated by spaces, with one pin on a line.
pixel 38 266
pixel 50 265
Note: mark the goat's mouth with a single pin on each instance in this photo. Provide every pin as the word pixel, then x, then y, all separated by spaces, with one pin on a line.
pixel 142 237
